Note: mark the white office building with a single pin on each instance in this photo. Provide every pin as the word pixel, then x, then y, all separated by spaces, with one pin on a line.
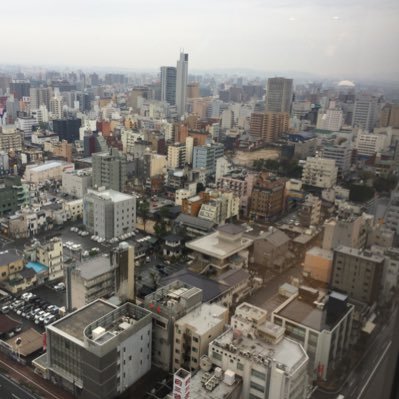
pixel 181 83
pixel 319 172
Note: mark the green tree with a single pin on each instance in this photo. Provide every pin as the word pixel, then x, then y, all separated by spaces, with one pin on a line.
pixel 144 211
pixel 360 193
pixel 160 228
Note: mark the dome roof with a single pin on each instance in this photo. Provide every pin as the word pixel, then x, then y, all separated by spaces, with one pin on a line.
pixel 347 83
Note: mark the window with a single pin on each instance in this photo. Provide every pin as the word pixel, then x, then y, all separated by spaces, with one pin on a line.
pixel 240 366
pixel 216 356
pixel 258 387
pixel 258 374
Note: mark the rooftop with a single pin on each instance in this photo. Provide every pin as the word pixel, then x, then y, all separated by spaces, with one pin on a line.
pixel 94 267
pixel 286 352
pixel 308 314
pixel 46 166
pixel 233 277
pixel 359 253
pixel 204 317
pixel 9 256
pixel 75 323
pixel 323 253
pixel 231 228
pixel 216 246
pixel 110 195
pixel 195 222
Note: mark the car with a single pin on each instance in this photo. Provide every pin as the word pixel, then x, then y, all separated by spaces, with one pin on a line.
pixel 17 329
pixel 59 287
pixel 10 334
pixel 5 309
pixel 160 266
pixel 85 254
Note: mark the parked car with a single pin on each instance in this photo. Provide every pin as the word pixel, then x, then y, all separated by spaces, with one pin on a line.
pixel 5 309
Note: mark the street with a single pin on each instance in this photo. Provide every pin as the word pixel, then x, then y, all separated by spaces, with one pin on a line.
pixel 10 390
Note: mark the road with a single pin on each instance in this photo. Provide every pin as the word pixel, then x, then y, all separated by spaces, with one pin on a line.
pixel 359 383
pixel 10 390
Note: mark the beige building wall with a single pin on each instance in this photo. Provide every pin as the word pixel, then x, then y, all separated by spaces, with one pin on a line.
pixel 318 263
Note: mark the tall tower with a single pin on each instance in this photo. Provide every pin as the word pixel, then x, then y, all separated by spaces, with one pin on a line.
pixel 168 84
pixel 279 95
pixel 365 112
pixel 181 83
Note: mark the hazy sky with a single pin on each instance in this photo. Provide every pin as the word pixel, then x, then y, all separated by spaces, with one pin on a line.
pixel 340 37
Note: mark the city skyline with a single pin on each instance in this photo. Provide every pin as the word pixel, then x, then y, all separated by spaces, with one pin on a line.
pixel 323 38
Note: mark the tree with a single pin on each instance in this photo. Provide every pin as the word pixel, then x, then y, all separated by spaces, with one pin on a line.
pixel 360 193
pixel 385 184
pixel 200 188
pixel 143 211
pixel 160 228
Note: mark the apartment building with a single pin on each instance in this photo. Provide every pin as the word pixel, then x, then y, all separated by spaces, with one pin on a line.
pixel 50 254
pixel 319 172
pixel 77 182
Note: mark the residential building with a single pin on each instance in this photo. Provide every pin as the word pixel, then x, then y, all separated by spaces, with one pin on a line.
pixel 99 350
pixel 40 96
pixel 267 199
pixel 255 349
pixel 206 156
pixel 368 144
pixel 109 170
pixel 358 273
pixel 176 155
pixel 217 252
pixel 56 107
pixel 272 251
pixel 318 264
pixel 391 217
pixel 309 211
pixel 50 254
pixel 220 206
pixel 20 88
pixel 12 195
pixel 67 129
pixel 109 213
pixel 104 276
pixel 268 126
pixel 346 229
pixel 11 263
pixel 365 112
pixel 319 172
pixel 279 93
pixel 77 182
pixel 168 84
pixel 321 323
pixel 168 304
pixel 51 170
pixel 194 332
pixel 222 168
pixel 10 139
pixel 181 83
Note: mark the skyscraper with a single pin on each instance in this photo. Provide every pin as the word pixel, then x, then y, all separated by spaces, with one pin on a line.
pixel 181 83
pixel 168 84
pixel 279 95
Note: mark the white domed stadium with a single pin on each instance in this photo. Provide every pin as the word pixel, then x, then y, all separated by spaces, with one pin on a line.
pixel 346 83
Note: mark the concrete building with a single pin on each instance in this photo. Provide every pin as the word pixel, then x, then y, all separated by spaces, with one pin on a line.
pixel 194 332
pixel 321 324
pixel 10 263
pixel 51 170
pixel 318 264
pixel 109 213
pixel 270 365
pixel 267 199
pixel 368 144
pixel 10 139
pixel 168 84
pixel 346 229
pixel 181 83
pixel 358 273
pixel 77 182
pixel 222 168
pixel 391 217
pixel 365 112
pixel 109 170
pixel 168 304
pixel 56 107
pixel 279 94
pixel 219 251
pixel 319 172
pixel 341 154
pixel 189 150
pixel 268 126
pixel 104 276
pixel 206 156
pixel 13 195
pixel 394 116
pixel 98 351
pixel 310 211
pixel 193 90
pixel 40 96
pixel 50 254
pixel 25 124
pixel 176 155
pixel 331 120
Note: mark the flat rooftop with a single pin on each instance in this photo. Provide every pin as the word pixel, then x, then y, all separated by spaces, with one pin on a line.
pixel 111 195
pixel 204 317
pixel 309 315
pixel 46 166
pixel 363 254
pixel 95 267
pixel 322 253
pixel 287 352
pixel 75 323
pixel 217 247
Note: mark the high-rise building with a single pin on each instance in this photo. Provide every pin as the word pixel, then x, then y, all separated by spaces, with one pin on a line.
pixel 82 345
pixel 319 172
pixel 365 112
pixel 205 156
pixel 331 119
pixel 176 155
pixel 109 170
pixel 40 96
pixel 20 88
pixel 56 107
pixel 67 129
pixel 358 273
pixel 268 126
pixel 394 116
pixel 341 153
pixel 181 83
pixel 109 213
pixel 279 94
pixel 193 90
pixel 392 213
pixel 168 84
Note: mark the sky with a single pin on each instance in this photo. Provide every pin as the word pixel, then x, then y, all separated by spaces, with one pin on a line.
pixel 340 38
